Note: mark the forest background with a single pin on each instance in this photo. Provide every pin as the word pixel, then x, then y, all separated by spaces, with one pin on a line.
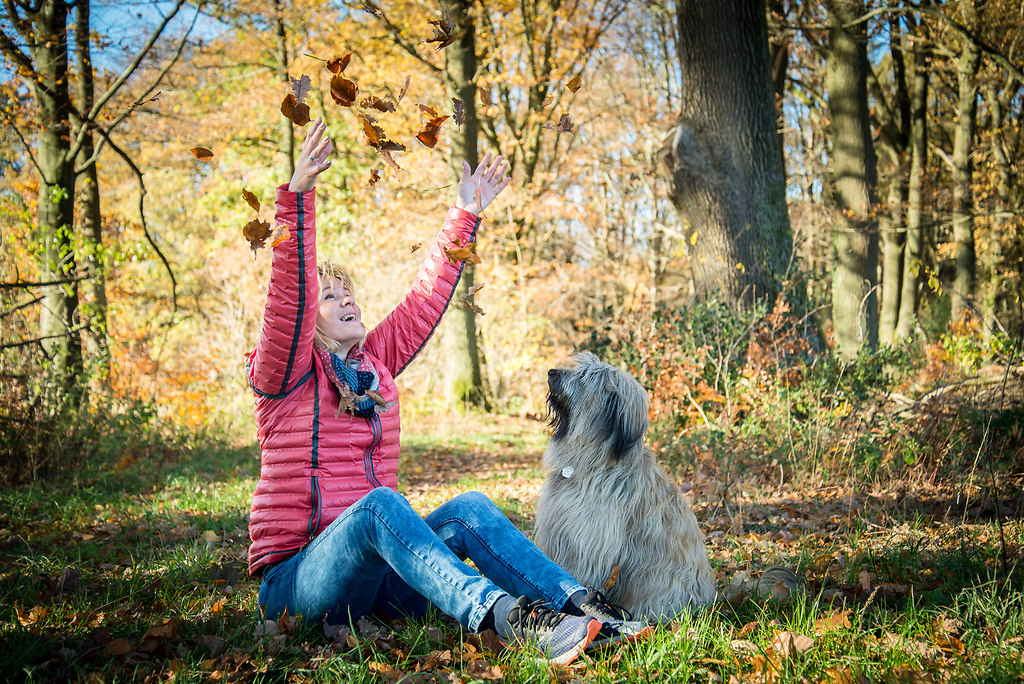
pixel 797 223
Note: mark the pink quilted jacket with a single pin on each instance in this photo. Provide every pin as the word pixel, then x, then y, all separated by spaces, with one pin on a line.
pixel 314 463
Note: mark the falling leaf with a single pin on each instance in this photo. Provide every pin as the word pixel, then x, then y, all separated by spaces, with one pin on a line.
pixel 485 97
pixel 464 301
pixel 374 177
pixel 295 111
pixel 405 88
pixel 547 101
pixel 464 253
pixel 370 7
pixel 574 84
pixel 459 111
pixel 203 154
pixel 251 199
pixel 444 31
pixel 564 124
pixel 374 102
pixel 472 291
pixel 337 65
pixel 415 247
pixel 343 91
pixel 431 128
pixel 256 232
pixel 300 87
pixel 280 235
pixel 613 577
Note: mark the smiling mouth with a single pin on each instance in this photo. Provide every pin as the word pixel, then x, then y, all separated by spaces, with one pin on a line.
pixel 348 318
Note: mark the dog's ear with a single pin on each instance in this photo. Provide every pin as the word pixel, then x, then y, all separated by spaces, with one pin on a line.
pixel 625 423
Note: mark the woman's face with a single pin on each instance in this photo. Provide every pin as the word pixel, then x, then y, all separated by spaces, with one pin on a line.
pixel 338 316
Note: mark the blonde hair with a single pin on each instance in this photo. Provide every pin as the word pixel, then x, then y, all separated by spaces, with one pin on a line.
pixel 328 270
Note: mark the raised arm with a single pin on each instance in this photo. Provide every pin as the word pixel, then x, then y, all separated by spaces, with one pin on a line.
pixel 407 329
pixel 283 358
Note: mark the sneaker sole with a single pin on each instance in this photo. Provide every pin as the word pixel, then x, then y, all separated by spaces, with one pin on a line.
pixel 642 634
pixel 592 629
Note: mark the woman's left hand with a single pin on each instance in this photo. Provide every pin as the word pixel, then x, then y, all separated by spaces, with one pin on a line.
pixel 478 188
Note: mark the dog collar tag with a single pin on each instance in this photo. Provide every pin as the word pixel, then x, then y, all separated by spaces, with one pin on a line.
pixel 567 471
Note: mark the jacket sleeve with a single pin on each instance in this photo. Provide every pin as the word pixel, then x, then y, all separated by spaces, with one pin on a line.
pixel 407 329
pixel 283 354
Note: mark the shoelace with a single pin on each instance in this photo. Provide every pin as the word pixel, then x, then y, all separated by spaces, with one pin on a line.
pixel 535 615
pixel 613 611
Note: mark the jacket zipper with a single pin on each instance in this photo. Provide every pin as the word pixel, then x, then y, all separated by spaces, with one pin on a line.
pixel 368 454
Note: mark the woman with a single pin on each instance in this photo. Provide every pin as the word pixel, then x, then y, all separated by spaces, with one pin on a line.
pixel 331 538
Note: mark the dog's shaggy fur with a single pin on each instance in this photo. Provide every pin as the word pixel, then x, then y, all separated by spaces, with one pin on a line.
pixel 605 501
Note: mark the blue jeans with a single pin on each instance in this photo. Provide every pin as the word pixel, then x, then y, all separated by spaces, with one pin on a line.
pixel 381 555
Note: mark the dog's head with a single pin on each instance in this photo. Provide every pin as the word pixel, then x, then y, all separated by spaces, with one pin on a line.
pixel 593 402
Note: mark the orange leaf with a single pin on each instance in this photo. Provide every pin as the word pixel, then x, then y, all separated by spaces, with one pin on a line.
pixel 574 84
pixel 337 65
pixel 464 253
pixel 547 101
pixel 295 111
pixel 405 88
pixel 256 232
pixel 430 131
pixel 613 577
pixel 415 247
pixel 280 235
pixel 203 154
pixel 251 199
pixel 343 91
pixel 485 97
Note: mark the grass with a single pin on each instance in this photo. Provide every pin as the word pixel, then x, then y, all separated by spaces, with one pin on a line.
pixel 138 572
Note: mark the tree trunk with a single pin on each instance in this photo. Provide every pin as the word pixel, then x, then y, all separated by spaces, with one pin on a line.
pixel 94 311
pixel 286 142
pixel 726 158
pixel 58 319
pixel 893 240
pixel 918 162
pixel 463 378
pixel 962 297
pixel 855 182
pixel 1002 208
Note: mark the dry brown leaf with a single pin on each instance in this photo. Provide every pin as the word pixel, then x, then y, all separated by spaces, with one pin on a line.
pixel 547 101
pixel 612 578
pixel 405 89
pixel 117 647
pixel 482 669
pixel 203 154
pixel 444 31
pixel 747 629
pixel 485 97
pixel 466 252
pixel 744 646
pixel 431 129
pixel 374 177
pixel 788 644
pixel 295 111
pixel 459 111
pixel 466 303
pixel 337 65
pixel 256 232
pixel 251 199
pixel 472 290
pixel 300 87
pixel 838 619
pixel 415 247
pixel 377 397
pixel 343 91
pixel 564 125
pixel 279 235
pixel 574 84
pixel 374 102
pixel 386 672
pixel 866 580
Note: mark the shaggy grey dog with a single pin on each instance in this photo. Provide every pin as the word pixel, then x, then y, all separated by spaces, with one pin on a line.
pixel 606 503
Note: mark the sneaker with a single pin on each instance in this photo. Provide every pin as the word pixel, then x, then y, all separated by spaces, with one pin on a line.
pixel 558 637
pixel 616 622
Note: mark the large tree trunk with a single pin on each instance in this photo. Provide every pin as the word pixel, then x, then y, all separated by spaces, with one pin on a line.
pixel 915 197
pixel 58 323
pixel 726 158
pixel 855 181
pixel 94 310
pixel 893 241
pixel 463 379
pixel 1003 208
pixel 962 297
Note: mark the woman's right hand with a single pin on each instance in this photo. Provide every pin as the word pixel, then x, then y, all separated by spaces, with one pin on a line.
pixel 312 159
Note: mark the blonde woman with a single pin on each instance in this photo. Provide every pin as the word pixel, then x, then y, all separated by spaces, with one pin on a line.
pixel 331 536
